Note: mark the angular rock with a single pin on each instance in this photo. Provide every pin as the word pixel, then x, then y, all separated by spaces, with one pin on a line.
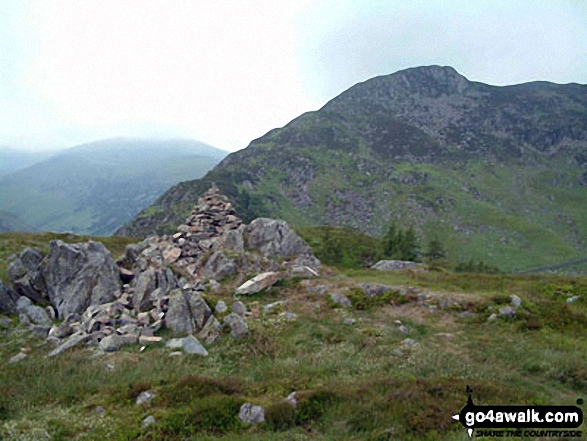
pixel 80 275
pixel 8 298
pixel 191 345
pixel 199 309
pixel 238 326
pixel 72 341
pixel 150 285
pixel 340 299
pixel 258 283
pixel 274 238
pixel 249 413
pixel 178 317
pixel 218 266
pixel 211 331
pixel 26 275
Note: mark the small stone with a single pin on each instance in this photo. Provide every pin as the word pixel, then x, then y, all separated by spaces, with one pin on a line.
pixel 175 354
pixel 404 329
pixel 573 299
pixel 467 314
pixel 221 307
pixel 5 323
pixel 239 308
pixel 249 413
pixel 271 306
pixel 408 342
pixel 349 321
pixel 492 317
pixel 100 411
pixel 18 357
pixel 292 399
pixel 238 326
pixel 289 316
pixel 507 311
pixel 145 397
pixel 148 421
pixel 516 301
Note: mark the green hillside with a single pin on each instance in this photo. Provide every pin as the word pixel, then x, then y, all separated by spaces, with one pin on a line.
pixel 498 174
pixel 96 188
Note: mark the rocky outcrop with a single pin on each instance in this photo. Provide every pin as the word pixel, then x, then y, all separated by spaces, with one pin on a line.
pixel 80 275
pixel 274 239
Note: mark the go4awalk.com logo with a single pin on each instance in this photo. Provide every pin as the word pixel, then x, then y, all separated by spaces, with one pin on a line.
pixel 518 421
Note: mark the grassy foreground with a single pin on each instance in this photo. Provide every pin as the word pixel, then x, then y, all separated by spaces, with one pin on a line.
pixel 354 382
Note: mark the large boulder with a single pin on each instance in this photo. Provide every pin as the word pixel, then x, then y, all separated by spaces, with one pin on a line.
pixel 274 239
pixel 8 298
pixel 80 275
pixel 26 275
pixel 178 317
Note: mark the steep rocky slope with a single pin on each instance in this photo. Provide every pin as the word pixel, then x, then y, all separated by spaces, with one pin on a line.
pixel 499 173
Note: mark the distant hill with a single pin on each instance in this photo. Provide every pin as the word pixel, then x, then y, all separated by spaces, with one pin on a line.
pixel 12 159
pixel 499 174
pixel 9 223
pixel 95 188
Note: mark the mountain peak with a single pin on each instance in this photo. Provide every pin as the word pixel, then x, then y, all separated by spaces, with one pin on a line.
pixel 431 80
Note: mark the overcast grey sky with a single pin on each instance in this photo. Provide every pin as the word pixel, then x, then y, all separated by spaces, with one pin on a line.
pixel 227 71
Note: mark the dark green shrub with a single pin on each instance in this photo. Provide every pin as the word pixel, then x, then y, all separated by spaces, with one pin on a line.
pixel 313 404
pixel 218 413
pixel 280 416
pixel 191 388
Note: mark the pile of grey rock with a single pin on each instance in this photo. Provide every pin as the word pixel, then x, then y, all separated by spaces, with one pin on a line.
pixel 88 298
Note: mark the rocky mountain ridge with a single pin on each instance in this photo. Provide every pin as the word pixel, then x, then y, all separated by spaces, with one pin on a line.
pixel 498 171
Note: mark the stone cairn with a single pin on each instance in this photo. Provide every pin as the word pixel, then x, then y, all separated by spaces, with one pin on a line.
pixel 208 247
pixel 204 230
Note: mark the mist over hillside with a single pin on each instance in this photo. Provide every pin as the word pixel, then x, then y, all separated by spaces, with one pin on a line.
pixel 95 188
